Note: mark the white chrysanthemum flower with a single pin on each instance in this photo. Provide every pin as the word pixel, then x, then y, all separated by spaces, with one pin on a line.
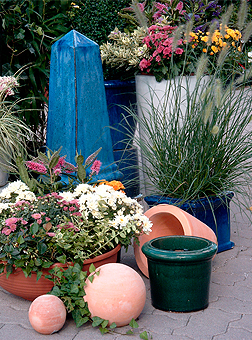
pixel 67 196
pixel 82 189
pixel 104 190
pixel 121 221
pixel 26 195
pixel 4 206
pixel 147 224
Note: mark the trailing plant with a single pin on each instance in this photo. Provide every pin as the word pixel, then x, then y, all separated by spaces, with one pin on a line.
pixel 29 28
pixel 69 286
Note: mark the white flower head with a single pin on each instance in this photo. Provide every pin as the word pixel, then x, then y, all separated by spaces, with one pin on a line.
pixel 67 196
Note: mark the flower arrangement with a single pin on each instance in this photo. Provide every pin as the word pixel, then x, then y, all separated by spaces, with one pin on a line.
pixel 162 45
pixel 68 226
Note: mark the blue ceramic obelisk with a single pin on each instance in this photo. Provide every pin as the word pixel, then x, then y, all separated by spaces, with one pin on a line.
pixel 77 113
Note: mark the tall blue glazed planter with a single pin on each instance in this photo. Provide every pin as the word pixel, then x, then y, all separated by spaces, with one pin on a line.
pixel 118 94
pixel 214 212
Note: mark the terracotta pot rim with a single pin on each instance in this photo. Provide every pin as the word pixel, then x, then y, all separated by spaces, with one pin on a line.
pixel 59 264
pixel 102 256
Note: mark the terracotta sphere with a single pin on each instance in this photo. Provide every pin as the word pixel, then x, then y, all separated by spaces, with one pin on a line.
pixel 47 314
pixel 118 294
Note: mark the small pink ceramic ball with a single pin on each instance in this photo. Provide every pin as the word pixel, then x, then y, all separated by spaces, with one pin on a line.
pixel 118 294
pixel 47 314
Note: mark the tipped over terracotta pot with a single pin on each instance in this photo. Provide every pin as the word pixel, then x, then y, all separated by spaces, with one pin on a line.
pixel 170 220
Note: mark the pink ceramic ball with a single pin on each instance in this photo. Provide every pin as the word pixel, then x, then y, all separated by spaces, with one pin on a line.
pixel 118 294
pixel 47 314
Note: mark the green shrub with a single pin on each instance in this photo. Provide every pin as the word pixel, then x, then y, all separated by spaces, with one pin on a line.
pixel 96 19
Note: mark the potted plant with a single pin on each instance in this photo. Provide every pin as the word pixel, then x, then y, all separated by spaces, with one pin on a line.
pixel 13 132
pixel 78 225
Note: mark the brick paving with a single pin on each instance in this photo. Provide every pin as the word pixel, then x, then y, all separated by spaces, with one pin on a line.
pixel 228 316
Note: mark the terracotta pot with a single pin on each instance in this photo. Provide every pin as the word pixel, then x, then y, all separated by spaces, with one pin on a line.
pixel 109 257
pixel 29 288
pixel 170 220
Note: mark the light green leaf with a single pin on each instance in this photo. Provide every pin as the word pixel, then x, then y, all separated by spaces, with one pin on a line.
pixel 92 268
pixel 133 323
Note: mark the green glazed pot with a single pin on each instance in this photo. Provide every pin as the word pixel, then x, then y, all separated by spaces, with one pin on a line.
pixel 180 272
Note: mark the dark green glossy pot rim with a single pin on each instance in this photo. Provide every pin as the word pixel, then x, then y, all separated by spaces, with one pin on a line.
pixel 179 248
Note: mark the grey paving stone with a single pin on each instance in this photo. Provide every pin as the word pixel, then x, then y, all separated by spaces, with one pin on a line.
pixel 245 322
pixel 232 305
pixel 205 324
pixel 234 334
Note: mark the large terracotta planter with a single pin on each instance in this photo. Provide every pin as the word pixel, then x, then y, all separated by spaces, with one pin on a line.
pixel 170 220
pixel 180 272
pixel 29 288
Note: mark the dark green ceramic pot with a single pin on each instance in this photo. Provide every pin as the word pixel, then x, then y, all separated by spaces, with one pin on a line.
pixel 180 272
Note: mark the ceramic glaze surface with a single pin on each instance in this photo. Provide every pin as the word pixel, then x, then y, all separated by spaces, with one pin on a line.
pixel 170 220
pixel 47 314
pixel 118 294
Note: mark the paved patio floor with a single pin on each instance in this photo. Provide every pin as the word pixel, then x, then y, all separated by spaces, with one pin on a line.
pixel 229 315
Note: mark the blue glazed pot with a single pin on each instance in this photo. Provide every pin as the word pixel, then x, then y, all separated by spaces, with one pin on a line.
pixel 213 211
pixel 120 93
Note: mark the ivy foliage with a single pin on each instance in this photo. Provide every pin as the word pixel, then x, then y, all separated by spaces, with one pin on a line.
pixel 28 30
pixel 69 286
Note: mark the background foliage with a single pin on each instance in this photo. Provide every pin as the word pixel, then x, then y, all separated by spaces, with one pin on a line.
pixel 28 30
pixel 96 19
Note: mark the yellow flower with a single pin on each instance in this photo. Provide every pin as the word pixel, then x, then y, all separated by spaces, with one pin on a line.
pixel 239 49
pixel 233 43
pixel 205 38
pixel 227 36
pixel 204 50
pixel 214 49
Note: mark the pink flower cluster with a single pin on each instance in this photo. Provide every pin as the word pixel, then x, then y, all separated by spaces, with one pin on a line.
pixel 159 41
pixel 95 168
pixel 11 225
pixel 49 205
pixel 37 167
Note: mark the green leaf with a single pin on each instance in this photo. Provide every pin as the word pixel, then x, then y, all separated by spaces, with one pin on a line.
pixel 42 248
pixel 74 289
pixel 34 228
pixel 38 262
pixel 129 332
pixel 20 239
pixel 17 9
pixel 133 323
pixel 97 321
pixel 113 325
pixel 39 274
pixel 91 268
pixel 144 335
pixel 61 259
pixel 104 323
pixel 103 330
pixel 91 278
